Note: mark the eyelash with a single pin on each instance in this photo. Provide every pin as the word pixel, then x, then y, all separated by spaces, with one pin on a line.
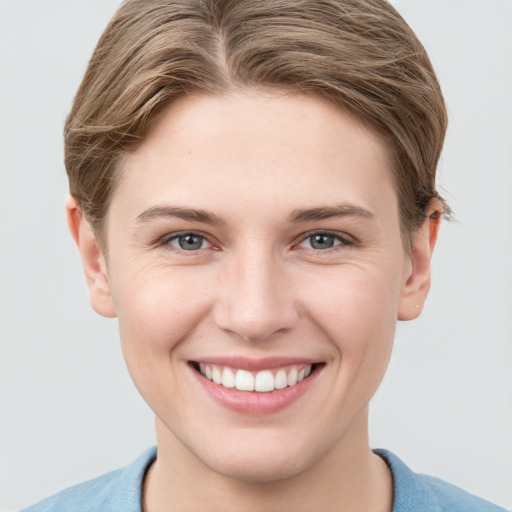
pixel 343 239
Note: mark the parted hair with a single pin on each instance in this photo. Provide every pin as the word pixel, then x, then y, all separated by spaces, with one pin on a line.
pixel 358 54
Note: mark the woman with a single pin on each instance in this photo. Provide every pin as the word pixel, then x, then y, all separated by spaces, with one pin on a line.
pixel 253 196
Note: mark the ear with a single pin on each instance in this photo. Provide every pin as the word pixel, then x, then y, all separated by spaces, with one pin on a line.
pixel 93 261
pixel 417 285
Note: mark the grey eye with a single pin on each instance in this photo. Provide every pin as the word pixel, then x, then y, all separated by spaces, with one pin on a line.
pixel 189 242
pixel 322 241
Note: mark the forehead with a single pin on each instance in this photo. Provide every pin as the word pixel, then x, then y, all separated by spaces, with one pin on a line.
pixel 287 149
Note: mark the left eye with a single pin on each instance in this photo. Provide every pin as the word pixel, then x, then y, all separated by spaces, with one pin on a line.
pixel 322 241
pixel 189 242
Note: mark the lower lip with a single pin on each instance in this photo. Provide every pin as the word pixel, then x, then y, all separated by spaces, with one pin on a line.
pixel 255 403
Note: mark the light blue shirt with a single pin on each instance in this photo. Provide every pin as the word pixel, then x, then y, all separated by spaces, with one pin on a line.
pixel 121 491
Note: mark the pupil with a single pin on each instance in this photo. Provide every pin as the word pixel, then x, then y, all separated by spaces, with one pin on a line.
pixel 190 242
pixel 322 241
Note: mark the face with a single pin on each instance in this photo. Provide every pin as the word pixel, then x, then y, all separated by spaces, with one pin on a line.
pixel 254 241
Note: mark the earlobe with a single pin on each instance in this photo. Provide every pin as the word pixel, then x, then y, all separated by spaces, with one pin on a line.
pixel 417 284
pixel 93 261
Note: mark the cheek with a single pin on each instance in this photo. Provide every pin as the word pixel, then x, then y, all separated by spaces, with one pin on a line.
pixel 357 311
pixel 354 300
pixel 158 309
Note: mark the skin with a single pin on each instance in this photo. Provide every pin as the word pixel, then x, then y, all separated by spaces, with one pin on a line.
pixel 257 287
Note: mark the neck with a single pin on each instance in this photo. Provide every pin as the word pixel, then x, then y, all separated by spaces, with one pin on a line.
pixel 348 477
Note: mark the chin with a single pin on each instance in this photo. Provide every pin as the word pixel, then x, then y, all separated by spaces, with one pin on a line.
pixel 261 461
pixel 259 469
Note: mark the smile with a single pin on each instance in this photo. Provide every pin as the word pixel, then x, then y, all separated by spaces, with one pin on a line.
pixel 256 387
pixel 262 381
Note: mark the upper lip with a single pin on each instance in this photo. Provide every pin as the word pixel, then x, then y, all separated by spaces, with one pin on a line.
pixel 255 365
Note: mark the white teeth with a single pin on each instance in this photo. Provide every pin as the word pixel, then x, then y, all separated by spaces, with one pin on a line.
pixel 216 375
pixel 292 377
pixel 228 378
pixel 263 381
pixel 244 381
pixel 281 380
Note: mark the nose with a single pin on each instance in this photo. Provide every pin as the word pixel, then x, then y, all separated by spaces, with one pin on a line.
pixel 256 300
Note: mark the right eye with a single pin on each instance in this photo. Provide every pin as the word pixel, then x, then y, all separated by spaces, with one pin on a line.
pixel 189 242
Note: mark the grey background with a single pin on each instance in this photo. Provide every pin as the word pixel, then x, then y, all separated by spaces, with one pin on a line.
pixel 69 411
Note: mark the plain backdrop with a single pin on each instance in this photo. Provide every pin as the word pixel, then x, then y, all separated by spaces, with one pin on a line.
pixel 69 411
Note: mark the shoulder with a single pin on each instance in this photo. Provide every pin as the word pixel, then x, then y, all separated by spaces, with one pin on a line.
pixel 454 498
pixel 119 490
pixel 423 493
pixel 90 496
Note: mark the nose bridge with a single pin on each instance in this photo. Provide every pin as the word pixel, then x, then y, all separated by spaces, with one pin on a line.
pixel 256 302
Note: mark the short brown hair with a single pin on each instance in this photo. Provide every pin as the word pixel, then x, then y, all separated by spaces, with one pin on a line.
pixel 359 54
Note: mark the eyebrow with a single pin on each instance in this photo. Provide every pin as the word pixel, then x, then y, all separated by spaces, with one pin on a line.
pixel 329 212
pixel 297 216
pixel 190 214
